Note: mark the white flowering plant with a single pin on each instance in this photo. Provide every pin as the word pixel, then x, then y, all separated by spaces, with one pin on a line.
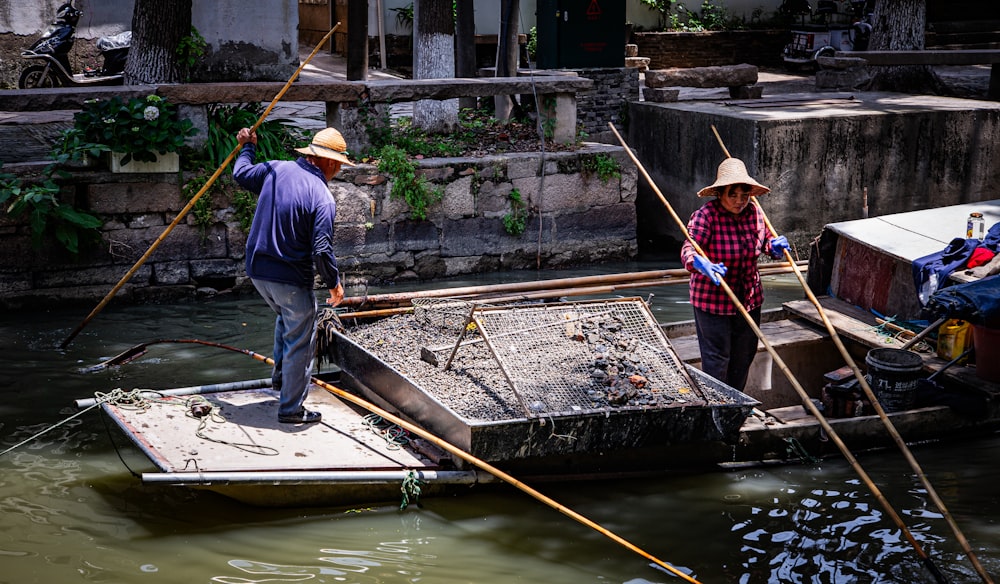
pixel 139 128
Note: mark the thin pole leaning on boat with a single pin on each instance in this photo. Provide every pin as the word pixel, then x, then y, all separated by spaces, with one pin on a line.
pixel 542 294
pixel 183 212
pixel 806 401
pixel 482 464
pixel 405 297
pixel 866 388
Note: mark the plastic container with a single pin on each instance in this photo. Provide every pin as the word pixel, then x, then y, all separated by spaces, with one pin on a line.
pixel 987 342
pixel 975 227
pixel 954 337
pixel 893 375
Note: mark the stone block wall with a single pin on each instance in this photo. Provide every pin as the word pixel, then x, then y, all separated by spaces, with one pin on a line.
pixel 607 101
pixel 583 220
pixel 705 49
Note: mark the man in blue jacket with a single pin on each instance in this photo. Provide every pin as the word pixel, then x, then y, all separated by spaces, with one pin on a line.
pixel 292 232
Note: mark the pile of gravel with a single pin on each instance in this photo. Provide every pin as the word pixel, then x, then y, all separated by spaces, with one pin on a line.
pixel 474 387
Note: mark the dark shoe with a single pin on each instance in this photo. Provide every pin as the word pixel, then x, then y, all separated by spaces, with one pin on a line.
pixel 303 417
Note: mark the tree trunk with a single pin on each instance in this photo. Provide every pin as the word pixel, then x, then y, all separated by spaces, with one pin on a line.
pixel 157 29
pixel 465 46
pixel 357 40
pixel 899 26
pixel 507 53
pixel 434 58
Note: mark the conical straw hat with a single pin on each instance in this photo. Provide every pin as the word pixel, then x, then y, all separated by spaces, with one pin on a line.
pixel 327 143
pixel 732 171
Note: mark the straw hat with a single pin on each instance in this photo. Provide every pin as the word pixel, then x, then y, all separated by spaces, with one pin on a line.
pixel 328 143
pixel 732 171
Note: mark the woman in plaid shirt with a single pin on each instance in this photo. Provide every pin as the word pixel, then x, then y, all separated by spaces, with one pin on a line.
pixel 732 234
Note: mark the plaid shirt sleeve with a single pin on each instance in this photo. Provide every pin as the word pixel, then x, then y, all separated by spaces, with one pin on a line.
pixel 733 240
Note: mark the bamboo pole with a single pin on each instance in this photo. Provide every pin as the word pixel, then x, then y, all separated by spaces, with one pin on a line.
pixel 402 297
pixel 444 444
pixel 866 388
pixel 803 396
pixel 550 293
pixel 183 212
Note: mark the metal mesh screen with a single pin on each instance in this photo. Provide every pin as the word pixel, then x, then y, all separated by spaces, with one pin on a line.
pixel 447 314
pixel 586 356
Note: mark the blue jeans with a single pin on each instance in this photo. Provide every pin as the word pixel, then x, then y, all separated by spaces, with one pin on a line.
pixel 728 345
pixel 294 341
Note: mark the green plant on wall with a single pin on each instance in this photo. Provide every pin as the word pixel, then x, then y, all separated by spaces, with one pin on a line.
pixel 189 51
pixel 404 16
pixel 47 216
pixel 201 212
pixel 139 128
pixel 407 185
pixel 275 141
pixel 515 221
pixel 244 204
pixel 604 166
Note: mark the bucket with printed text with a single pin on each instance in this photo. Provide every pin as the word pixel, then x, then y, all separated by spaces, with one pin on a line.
pixel 893 375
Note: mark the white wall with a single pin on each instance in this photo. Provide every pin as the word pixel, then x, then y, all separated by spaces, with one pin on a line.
pixel 488 13
pixel 274 22
pixel 100 17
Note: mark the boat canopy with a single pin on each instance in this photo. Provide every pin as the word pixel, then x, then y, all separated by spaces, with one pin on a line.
pixel 977 302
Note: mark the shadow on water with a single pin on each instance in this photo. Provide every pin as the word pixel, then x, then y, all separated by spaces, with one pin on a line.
pixel 72 512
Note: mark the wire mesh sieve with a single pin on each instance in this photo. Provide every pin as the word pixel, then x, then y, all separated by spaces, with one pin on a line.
pixel 575 357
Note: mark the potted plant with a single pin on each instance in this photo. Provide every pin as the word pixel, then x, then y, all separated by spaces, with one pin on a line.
pixel 142 135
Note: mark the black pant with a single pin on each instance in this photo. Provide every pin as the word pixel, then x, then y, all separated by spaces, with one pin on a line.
pixel 728 345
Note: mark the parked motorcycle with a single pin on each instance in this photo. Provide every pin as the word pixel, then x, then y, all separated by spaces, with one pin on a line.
pixel 51 51
pixel 834 29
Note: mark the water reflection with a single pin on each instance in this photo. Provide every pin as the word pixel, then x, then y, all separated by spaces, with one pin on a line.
pixel 71 509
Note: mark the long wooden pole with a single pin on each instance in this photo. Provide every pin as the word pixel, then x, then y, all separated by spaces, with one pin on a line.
pixel 803 396
pixel 183 212
pixel 548 293
pixel 866 388
pixel 448 446
pixel 403 297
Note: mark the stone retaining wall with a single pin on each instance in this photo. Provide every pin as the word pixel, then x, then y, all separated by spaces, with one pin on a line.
pixel 584 220
pixel 704 49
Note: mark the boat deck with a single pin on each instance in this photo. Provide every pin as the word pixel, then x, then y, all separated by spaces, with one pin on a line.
pixel 243 435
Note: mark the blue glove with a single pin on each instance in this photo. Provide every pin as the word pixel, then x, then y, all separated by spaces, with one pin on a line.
pixel 710 270
pixel 778 246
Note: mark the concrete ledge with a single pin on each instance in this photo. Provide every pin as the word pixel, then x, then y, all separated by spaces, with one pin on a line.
pixel 927 57
pixel 840 63
pixel 387 90
pixel 722 76
pixel 661 94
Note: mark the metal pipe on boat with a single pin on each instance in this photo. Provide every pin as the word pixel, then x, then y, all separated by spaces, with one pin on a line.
pixel 208 184
pixel 195 390
pixel 556 293
pixel 405 297
pixel 448 477
pixel 803 396
pixel 919 336
pixel 867 390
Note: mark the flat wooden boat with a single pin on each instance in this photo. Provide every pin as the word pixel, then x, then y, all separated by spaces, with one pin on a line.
pixel 528 389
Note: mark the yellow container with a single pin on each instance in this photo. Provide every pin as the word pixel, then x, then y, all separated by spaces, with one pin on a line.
pixel 954 337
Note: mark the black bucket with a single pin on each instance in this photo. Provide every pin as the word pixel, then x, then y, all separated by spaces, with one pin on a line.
pixel 893 375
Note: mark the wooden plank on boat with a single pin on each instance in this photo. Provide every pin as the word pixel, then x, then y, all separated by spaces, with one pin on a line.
pixel 246 436
pixel 850 321
pixel 779 333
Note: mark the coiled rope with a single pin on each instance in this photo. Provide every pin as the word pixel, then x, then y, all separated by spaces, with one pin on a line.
pixel 394 436
pixel 196 407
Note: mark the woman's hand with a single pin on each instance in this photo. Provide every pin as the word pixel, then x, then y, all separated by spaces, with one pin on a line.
pixel 711 271
pixel 778 246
